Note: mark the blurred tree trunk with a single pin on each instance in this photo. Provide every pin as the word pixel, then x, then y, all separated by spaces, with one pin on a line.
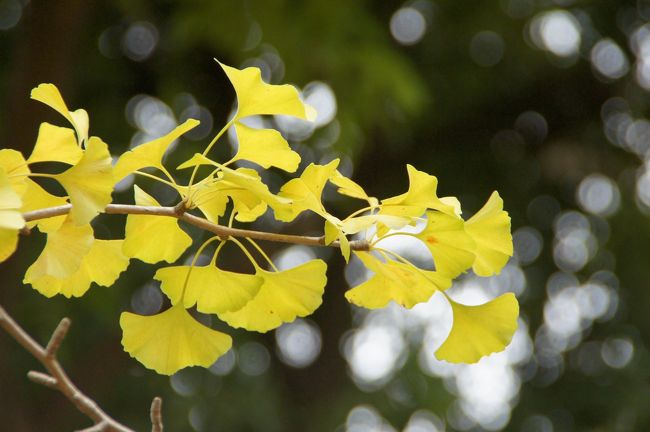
pixel 45 52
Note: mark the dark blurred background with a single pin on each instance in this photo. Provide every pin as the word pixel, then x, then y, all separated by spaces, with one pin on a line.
pixel 543 100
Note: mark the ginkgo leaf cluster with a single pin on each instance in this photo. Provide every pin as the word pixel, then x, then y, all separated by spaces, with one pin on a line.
pixel 221 193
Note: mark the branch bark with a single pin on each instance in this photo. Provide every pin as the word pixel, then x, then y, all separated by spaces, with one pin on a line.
pixel 156 415
pixel 220 230
pixel 57 378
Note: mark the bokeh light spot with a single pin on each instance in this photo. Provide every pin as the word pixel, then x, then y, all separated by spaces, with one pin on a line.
pixel 140 41
pixel 557 31
pixel 609 59
pixel 298 343
pixel 407 25
pixel 598 195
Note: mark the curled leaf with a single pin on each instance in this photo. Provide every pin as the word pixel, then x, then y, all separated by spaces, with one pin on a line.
pixel 305 192
pixel 421 195
pixel 49 95
pixel 490 229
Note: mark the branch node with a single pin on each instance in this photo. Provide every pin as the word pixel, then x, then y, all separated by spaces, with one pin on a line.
pixel 43 379
pixel 156 415
pixel 180 208
pixel 360 245
pixel 57 338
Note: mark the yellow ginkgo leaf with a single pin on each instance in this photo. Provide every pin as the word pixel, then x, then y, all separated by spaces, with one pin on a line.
pixel 305 192
pixel 10 204
pixel 150 154
pixel 395 281
pixel 359 223
pixel 208 196
pixel 490 229
pixel 480 330
pixel 153 238
pixel 49 95
pixel 283 297
pixel 102 264
pixel 249 195
pixel 334 232
pixel 255 97
pixel 212 290
pixel 421 195
pixel 171 340
pixel 451 247
pixel 63 252
pixel 15 167
pixel 36 198
pixel 265 147
pixel 244 186
pixel 11 220
pixel 348 187
pixel 8 242
pixel 454 203
pixel 197 159
pixel 90 182
pixel 55 144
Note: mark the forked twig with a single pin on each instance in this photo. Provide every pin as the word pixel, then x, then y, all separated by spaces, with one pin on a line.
pixel 57 378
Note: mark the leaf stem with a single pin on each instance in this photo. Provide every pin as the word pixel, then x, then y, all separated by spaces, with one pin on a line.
pixel 156 178
pixel 261 251
pixel 196 257
pixel 246 252
pixel 208 148
pixel 407 262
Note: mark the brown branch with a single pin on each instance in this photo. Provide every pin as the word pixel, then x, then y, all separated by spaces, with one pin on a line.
pixel 57 378
pixel 220 230
pixel 156 415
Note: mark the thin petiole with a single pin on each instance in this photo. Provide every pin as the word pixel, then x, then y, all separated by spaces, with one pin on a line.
pixel 196 257
pixel 261 251
pixel 407 262
pixel 246 252
pixel 232 218
pixel 213 261
pixel 209 147
pixel 401 233
pixel 169 176
pixel 34 175
pixel 358 212
pixel 156 178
